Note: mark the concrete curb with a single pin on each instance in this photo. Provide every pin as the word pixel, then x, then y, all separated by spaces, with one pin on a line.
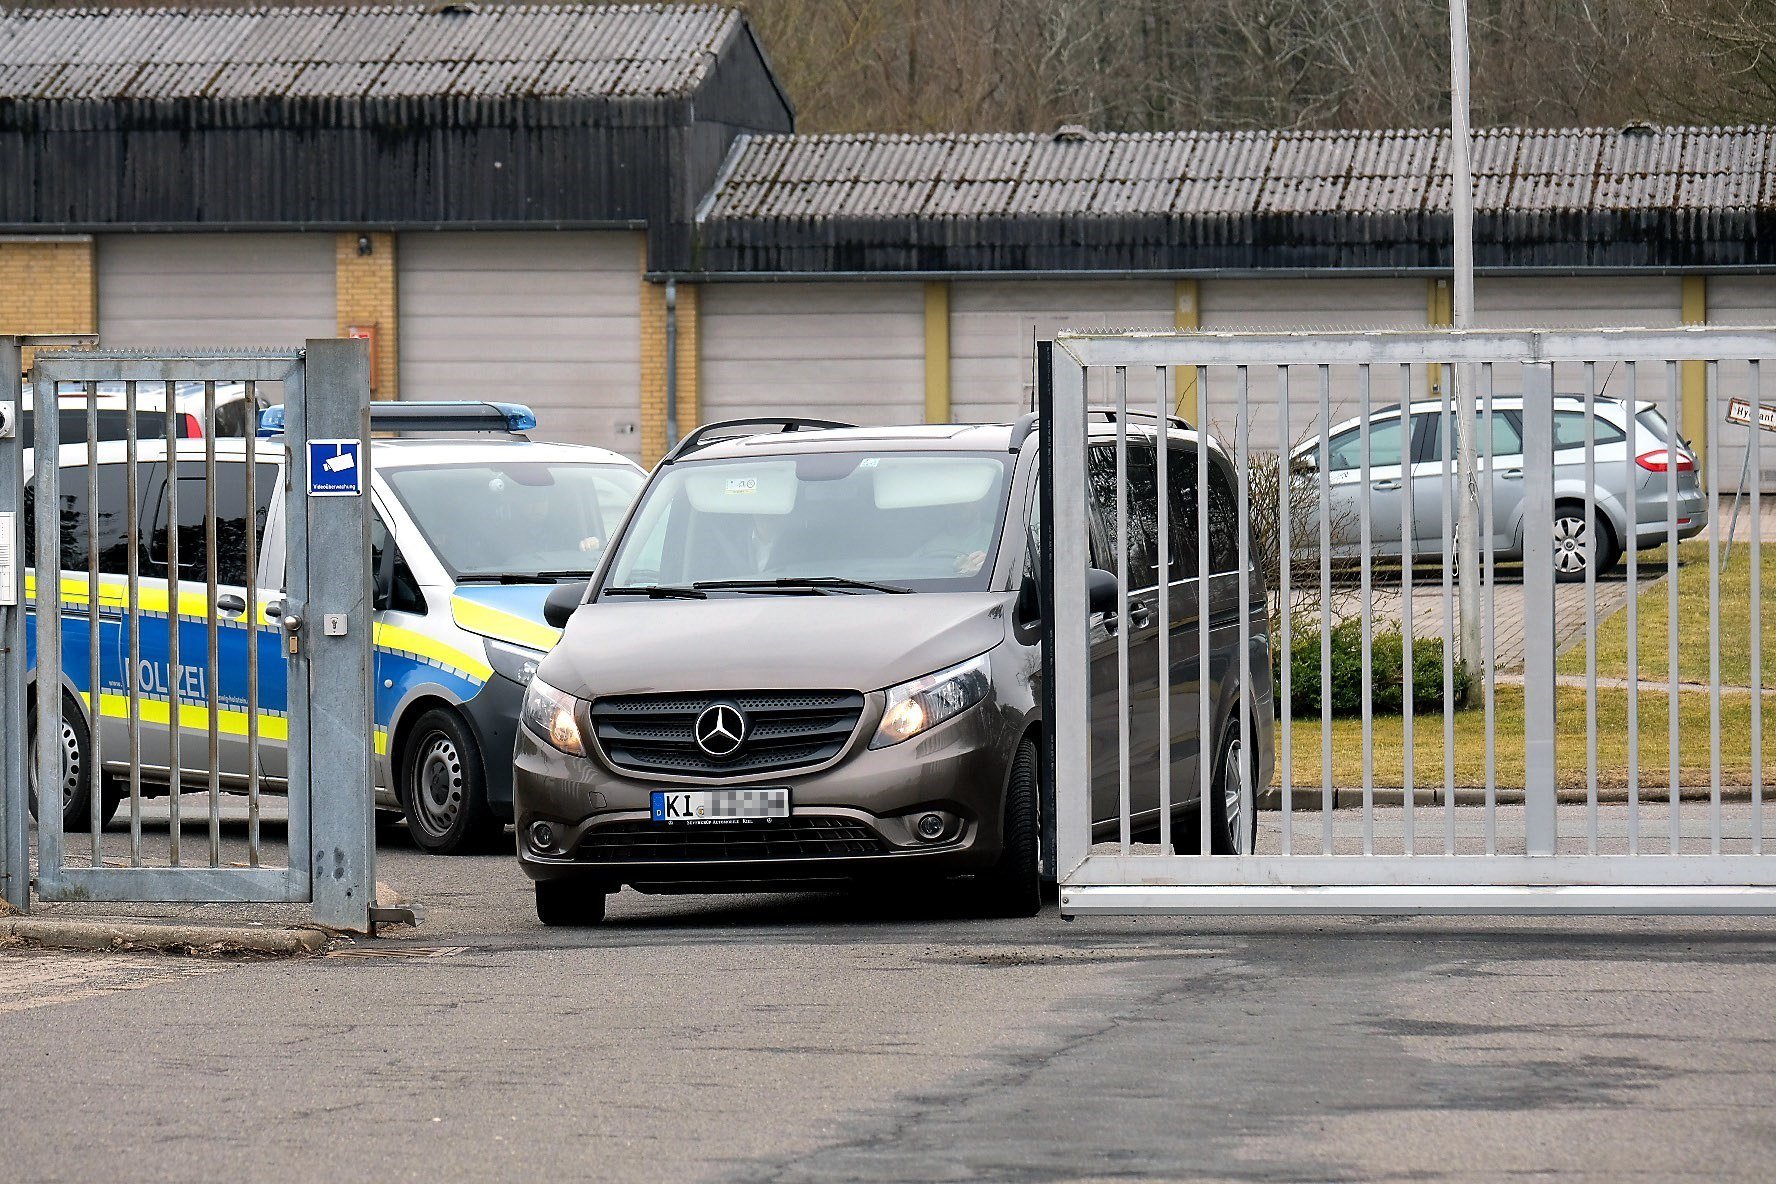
pixel 164 937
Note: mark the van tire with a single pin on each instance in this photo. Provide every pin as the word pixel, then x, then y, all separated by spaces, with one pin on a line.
pixel 443 786
pixel 1187 827
pixel 77 748
pixel 569 903
pixel 1013 887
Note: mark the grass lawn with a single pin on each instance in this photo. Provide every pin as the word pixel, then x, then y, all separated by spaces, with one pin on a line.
pixel 1692 620
pixel 1570 750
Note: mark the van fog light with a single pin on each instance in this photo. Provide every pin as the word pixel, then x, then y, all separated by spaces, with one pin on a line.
pixel 542 836
pixel 930 827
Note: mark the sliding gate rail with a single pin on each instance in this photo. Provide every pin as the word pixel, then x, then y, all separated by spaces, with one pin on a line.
pixel 1570 779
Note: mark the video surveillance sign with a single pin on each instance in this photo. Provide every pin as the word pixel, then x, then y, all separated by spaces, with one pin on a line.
pixel 335 468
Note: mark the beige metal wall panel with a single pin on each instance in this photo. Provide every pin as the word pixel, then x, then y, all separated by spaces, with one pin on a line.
pixel 1743 300
pixel 1304 304
pixel 848 351
pixel 994 324
pixel 551 319
pixel 206 290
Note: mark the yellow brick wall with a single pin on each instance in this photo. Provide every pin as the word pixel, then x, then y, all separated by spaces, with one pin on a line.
pixel 653 365
pixel 366 296
pixel 47 286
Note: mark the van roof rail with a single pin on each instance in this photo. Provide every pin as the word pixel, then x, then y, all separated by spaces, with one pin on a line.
pixel 1026 423
pixel 465 416
pixel 725 429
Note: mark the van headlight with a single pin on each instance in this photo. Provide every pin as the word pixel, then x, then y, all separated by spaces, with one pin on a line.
pixel 550 714
pixel 516 662
pixel 922 704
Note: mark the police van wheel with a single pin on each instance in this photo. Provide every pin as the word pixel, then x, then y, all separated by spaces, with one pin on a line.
pixel 569 903
pixel 76 780
pixel 443 789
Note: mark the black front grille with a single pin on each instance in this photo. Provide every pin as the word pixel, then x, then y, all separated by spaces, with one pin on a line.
pixel 785 730
pixel 775 838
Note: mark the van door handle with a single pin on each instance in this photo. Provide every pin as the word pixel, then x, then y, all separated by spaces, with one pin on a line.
pixel 1140 616
pixel 1387 483
pixel 231 604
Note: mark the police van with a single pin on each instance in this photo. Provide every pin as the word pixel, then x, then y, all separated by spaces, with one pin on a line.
pixel 468 537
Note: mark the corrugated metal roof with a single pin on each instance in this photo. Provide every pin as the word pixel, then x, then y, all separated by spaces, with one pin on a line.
pixel 502 51
pixel 1580 170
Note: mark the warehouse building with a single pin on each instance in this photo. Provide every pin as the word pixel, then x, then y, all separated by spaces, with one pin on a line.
pixel 603 210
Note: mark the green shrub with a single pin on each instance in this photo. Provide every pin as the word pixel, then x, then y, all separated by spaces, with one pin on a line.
pixel 1387 652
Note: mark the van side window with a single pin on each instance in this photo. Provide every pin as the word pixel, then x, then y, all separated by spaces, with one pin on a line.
pixel 1182 510
pixel 1143 504
pixel 111 521
pixel 397 589
pixel 231 521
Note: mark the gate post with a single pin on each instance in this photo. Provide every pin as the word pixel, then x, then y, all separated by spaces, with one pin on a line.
pixel 1071 726
pixel 15 859
pixel 1539 792
pixel 329 545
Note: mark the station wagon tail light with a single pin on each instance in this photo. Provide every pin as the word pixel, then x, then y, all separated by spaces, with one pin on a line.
pixel 193 428
pixel 550 714
pixel 1660 459
pixel 922 704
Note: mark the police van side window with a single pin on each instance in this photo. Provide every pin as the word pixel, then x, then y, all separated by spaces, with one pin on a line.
pixel 111 522
pixel 231 521
pixel 396 587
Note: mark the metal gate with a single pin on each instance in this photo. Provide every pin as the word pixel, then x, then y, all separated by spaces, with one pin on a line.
pixel 238 671
pixel 1514 730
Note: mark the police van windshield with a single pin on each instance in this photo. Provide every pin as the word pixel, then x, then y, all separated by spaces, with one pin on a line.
pixel 913 521
pixel 515 518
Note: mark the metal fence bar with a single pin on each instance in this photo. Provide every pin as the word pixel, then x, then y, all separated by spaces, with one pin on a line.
pixel 1121 543
pixel 1450 346
pixel 252 573
pixel 95 627
pixel 1072 657
pixel 1674 416
pixel 1489 628
pixel 15 857
pixel 1756 636
pixel 48 549
pixel 212 626
pixel 1540 825
pixel 175 623
pixel 1324 469
pixel 1408 553
pixel 1366 607
pixel 1710 387
pixel 1633 612
pixel 1592 523
pixel 133 618
pixel 1204 672
pixel 1285 611
pixel 1162 391
pixel 1242 836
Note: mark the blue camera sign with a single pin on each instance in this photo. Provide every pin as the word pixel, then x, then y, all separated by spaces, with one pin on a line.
pixel 335 468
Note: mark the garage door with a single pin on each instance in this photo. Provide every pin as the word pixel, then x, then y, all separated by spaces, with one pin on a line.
pixel 853 352
pixel 201 290
pixel 547 318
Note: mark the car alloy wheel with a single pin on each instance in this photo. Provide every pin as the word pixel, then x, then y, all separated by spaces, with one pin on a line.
pixel 1231 799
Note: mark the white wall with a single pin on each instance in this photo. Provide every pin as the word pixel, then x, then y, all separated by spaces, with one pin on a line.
pixel 1747 301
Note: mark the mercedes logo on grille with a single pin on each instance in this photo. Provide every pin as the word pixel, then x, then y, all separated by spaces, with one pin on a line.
pixel 720 730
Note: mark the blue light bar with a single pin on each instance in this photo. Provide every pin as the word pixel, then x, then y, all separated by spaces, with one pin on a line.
pixel 465 416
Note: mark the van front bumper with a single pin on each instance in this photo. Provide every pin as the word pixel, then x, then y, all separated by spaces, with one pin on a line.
pixel 851 821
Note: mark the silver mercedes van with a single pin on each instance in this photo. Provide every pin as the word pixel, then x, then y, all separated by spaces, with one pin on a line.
pixel 812 656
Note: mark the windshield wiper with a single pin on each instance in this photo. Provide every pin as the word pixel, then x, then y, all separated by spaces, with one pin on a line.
pixel 819 583
pixel 536 577
pixel 659 592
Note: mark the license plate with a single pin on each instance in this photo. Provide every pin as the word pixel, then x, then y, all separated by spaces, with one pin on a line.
pixel 720 805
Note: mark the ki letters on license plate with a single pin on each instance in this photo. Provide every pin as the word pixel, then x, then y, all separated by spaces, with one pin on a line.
pixel 720 805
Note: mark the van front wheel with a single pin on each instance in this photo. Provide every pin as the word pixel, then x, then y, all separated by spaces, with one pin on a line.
pixel 443 787
pixel 1013 887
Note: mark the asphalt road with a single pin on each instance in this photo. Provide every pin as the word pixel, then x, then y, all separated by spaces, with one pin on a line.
pixel 844 1038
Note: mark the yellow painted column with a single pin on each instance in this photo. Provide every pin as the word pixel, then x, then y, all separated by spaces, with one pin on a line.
pixel 685 314
pixel 1695 374
pixel 1186 314
pixel 937 352
pixel 1439 314
pixel 364 296
pixel 48 284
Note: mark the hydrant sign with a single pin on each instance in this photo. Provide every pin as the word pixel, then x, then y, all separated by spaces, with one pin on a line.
pixel 333 468
pixel 1739 411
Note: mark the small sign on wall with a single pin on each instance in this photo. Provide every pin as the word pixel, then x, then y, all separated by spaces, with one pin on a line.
pixel 1739 412
pixel 366 333
pixel 333 468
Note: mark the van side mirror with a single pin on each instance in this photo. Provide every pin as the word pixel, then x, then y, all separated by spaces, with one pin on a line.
pixel 1101 592
pixel 562 600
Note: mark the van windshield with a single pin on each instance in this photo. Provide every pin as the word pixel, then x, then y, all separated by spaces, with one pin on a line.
pixel 917 521
pixel 515 518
